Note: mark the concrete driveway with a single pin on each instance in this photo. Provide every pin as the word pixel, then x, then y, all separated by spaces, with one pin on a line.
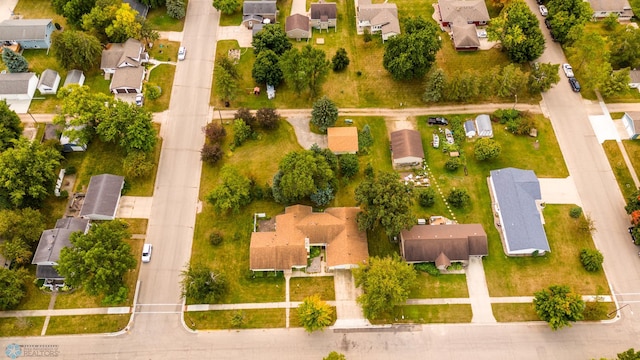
pixel 559 191
pixel 305 137
pixel 240 33
pixel 135 207
pixel 19 106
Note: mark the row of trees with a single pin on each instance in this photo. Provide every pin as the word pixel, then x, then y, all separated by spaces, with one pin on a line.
pixel 103 12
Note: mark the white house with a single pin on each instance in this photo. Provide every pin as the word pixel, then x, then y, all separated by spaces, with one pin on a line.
pixel 49 82
pixel 126 62
pixel 18 86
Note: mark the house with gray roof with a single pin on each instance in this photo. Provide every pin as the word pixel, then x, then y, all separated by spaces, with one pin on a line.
pixel 604 8
pixel 324 15
pixel 125 63
pixel 378 18
pixel 74 77
pixel 465 37
pixel 103 197
pixel 298 26
pixel 49 82
pixel 463 12
pixel 29 33
pixel 259 12
pixel 51 243
pixel 18 86
pixel 518 205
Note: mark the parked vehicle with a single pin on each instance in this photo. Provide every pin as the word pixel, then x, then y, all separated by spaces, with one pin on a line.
pixel 146 253
pixel 547 23
pixel 436 141
pixel 182 53
pixel 139 99
pixel 633 237
pixel 437 121
pixel 575 85
pixel 449 136
pixel 543 10
pixel 568 70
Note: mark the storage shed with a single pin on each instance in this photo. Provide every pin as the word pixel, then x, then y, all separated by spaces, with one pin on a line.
pixel 483 126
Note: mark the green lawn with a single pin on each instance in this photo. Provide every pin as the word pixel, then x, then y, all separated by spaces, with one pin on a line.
pixel 29 326
pixel 443 286
pixel 35 299
pixel 161 75
pixel 633 150
pixel 87 324
pixel 300 288
pixel 427 314
pixel 164 50
pixel 221 319
pixel 514 312
pixel 160 21
pixel 235 19
pixel 620 169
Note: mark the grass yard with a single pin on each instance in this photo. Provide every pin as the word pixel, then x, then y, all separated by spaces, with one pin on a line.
pixel 87 324
pixel 221 319
pixel 300 288
pixel 161 75
pixel 137 226
pixel 235 19
pixel 620 169
pixel 443 286
pixel 23 326
pixel 514 312
pixel 633 150
pixel 427 314
pixel 160 21
pixel 164 50
pixel 35 299
pixel 96 82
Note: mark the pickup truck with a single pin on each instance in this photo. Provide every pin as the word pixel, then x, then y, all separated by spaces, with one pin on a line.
pixel 437 121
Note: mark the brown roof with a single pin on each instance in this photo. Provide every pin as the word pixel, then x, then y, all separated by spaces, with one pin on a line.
pixel 465 36
pixel 385 15
pixel 328 10
pixel 297 21
pixel 128 53
pixel 342 139
pixel 610 5
pixel 284 248
pixel 406 143
pixel 426 243
pixel 463 10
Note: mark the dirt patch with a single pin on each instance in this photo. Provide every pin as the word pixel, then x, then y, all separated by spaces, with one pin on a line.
pixel 400 123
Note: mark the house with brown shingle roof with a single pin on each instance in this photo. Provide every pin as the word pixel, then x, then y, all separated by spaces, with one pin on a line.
pixel 443 244
pixel 465 37
pixel 298 228
pixel 342 140
pixel 603 8
pixel 463 12
pixel 378 18
pixel 406 148
pixel 298 26
pixel 125 63
pixel 324 15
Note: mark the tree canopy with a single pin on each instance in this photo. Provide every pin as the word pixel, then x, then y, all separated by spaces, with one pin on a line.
pixel 589 56
pixel 129 126
pixel 203 285
pixel 324 113
pixel 301 174
pixel 486 149
pixel 542 77
pixel 10 126
pixel 226 6
pixel 73 10
pixel 410 55
pixel 558 306
pixel 624 45
pixel 81 111
pixel 12 288
pixel 305 69
pixel 518 30
pixel 76 49
pixel 567 18
pixel 314 314
pixel 266 69
pixel 233 193
pixel 271 37
pixel 15 62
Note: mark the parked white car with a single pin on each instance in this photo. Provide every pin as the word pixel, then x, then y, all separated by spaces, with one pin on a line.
pixel 568 70
pixel 182 53
pixel 146 253
pixel 543 10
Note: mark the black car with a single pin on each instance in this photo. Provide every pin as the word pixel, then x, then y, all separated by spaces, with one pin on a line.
pixel 539 2
pixel 633 237
pixel 437 121
pixel 547 23
pixel 575 85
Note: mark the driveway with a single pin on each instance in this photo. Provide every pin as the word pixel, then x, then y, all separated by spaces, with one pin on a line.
pixel 559 191
pixel 6 9
pixel 478 292
pixel 348 310
pixel 305 137
pixel 240 33
pixel 135 207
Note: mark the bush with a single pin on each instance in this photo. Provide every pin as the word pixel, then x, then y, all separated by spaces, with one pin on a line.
pixel 429 268
pixel 521 125
pixel 340 60
pixel 138 164
pixel 349 165
pixel 246 115
pixel 176 9
pixel 211 153
pixel 505 115
pixel 575 212
pixel 70 170
pixel 458 198
pixel 215 238
pixel 367 35
pixel 214 132
pixel 64 194
pixel 268 118
pixel 486 149
pixel 452 164
pixel 591 259
pixel 314 252
pixel 241 132
pixel 152 91
pixel 427 197
pixel 237 319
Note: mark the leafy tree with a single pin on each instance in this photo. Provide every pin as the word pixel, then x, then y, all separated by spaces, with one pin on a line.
pixel 630 354
pixel 27 172
pixel 214 132
pixel 386 282
pixel 542 77
pixel 486 149
pixel 152 91
pixel 15 62
pixel 21 224
pixel 518 30
pixel 567 18
pixel 99 259
pixel 462 87
pixel 305 69
pixel 202 284
pixel 427 197
pixel 247 116
pixel 12 288
pixel 10 126
pixel 411 54
pixel 73 10
pixel 76 49
pixel 624 44
pixel 147 32
pixel 365 139
pixel 314 314
pixel 266 69
pixel 16 250
pixel 452 164
pixel 138 164
pixel 100 17
pixel 241 132
pixel 434 85
pixel 458 198
pixel 590 57
pixel 226 6
pixel 324 113
pixel 82 110
pixel 233 193
pixel 591 259
pixel 367 37
pixel 334 356
pixel 340 60
pixel 349 165
pixel 385 201
pixel 323 196
pixel 177 9
pixel 129 126
pixel 226 85
pixel 633 202
pixel 301 174
pixel 229 65
pixel 616 83
pixel 268 118
pixel 511 80
pixel 558 306
pixel 271 37
pixel 211 153
pixel 125 25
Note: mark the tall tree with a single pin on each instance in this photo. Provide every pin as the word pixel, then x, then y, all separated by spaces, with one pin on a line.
pixel 590 57
pixel 314 314
pixel 27 173
pixel 73 10
pixel 125 25
pixel 99 259
pixel 203 285
pixel 434 85
pixel 486 149
pixel 233 193
pixel 226 85
pixel 25 224
pixel 271 37
pixel 15 62
pixel 567 18
pixel 624 44
pixel 385 201
pixel 616 83
pixel 147 33
pixel 12 288
pixel 630 354
pixel 305 69
pixel 176 9
pixel 324 113
pixel 129 126
pixel 410 55
pixel 511 81
pixel 101 16
pixel 226 6
pixel 386 282
pixel 301 174
pixel 340 60
pixel 76 49
pixel 10 126
pixel 365 139
pixel 81 111
pixel 266 68
pixel 558 306
pixel 518 30
pixel 542 77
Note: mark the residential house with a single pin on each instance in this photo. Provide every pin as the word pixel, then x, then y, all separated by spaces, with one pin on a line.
pixel 465 37
pixel 631 122
pixel 378 18
pixel 298 228
pixel 469 128
pixel 74 77
pixel 18 86
pixel 518 205
pixel 125 62
pixel 342 140
pixel 71 143
pixel 406 148
pixel 49 82
pixel 443 244
pixel 259 12
pixel 103 197
pixel 603 8
pixel 298 27
pixel 136 5
pixel 324 15
pixel 463 12
pixel 29 33
pixel 483 126
pixel 51 243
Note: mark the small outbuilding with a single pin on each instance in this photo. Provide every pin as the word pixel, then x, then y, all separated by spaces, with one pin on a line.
pixel 74 77
pixel 298 27
pixel 631 122
pixel 406 148
pixel 483 126
pixel 342 140
pixel 469 128
pixel 49 82
pixel 103 197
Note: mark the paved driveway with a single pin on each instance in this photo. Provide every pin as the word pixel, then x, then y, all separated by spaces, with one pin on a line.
pixel 135 207
pixel 559 191
pixel 240 33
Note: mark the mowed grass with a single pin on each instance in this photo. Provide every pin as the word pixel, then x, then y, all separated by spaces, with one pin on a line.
pixel 164 50
pixel 221 319
pixel 619 167
pixel 160 21
pixel 87 324
pixel 633 150
pixel 35 299
pixel 161 75
pixel 22 326
pixel 427 314
pixel 443 286
pixel 303 287
pixel 514 312
pixel 38 9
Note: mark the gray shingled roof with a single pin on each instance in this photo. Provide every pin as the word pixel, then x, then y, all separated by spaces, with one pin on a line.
pixel 136 5
pixel 15 83
pixel 465 36
pixel 53 240
pixel 118 54
pixel 47 272
pixel 318 10
pixel 103 196
pixel 265 7
pixel 463 10
pixel 73 77
pixel 24 29
pixel 129 77
pixel 48 78
pixel 516 191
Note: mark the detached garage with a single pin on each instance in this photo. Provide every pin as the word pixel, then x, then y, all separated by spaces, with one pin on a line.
pixel 406 148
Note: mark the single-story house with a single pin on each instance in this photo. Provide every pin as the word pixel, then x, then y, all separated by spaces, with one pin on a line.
pixel 18 86
pixel 324 15
pixel 406 148
pixel 603 8
pixel 465 37
pixel 378 18
pixel 71 143
pixel 631 122
pixel 298 228
pixel 52 241
pixel 469 128
pixel 463 12
pixel 342 140
pixel 29 33
pixel 74 77
pixel 298 27
pixel 443 244
pixel 483 126
pixel 136 5
pixel 49 82
pixel 259 12
pixel 125 61
pixel 518 204
pixel 103 197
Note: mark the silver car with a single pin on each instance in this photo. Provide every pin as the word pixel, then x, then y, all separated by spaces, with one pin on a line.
pixel 182 53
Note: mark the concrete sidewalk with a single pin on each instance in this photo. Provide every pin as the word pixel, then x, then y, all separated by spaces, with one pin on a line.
pixel 478 292
pixel 66 312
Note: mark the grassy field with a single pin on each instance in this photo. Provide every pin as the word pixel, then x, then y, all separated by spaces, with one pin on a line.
pixel 443 286
pixel 300 288
pixel 620 169
pixel 160 21
pixel 514 312
pixel 427 314
pixel 633 150
pixel 29 326
pixel 161 75
pixel 253 319
pixel 87 324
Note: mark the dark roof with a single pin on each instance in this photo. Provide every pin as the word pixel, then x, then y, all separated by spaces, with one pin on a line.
pixel 463 11
pixel 15 83
pixel 52 241
pixel 48 78
pixel 47 272
pixel 516 192
pixel 73 77
pixel 103 196
pixel 136 5
pixel 128 53
pixel 319 10
pixel 297 21
pixel 406 143
pixel 425 243
pixel 264 7
pixel 465 36
pixel 24 29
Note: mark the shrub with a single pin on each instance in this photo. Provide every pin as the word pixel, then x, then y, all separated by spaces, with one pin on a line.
pixel 505 115
pixel 70 170
pixel 521 125
pixel 215 238
pixel 211 153
pixel 241 132
pixel 486 149
pixel 458 198
pixel 268 118
pixel 246 115
pixel 427 197
pixel 214 132
pixel 591 259
pixel 575 212
pixel 138 164
pixel 349 165
pixel 64 194
pixel 452 164
pixel 237 319
pixel 367 35
pixel 176 9
pixel 427 267
pixel 152 91
pixel 340 60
